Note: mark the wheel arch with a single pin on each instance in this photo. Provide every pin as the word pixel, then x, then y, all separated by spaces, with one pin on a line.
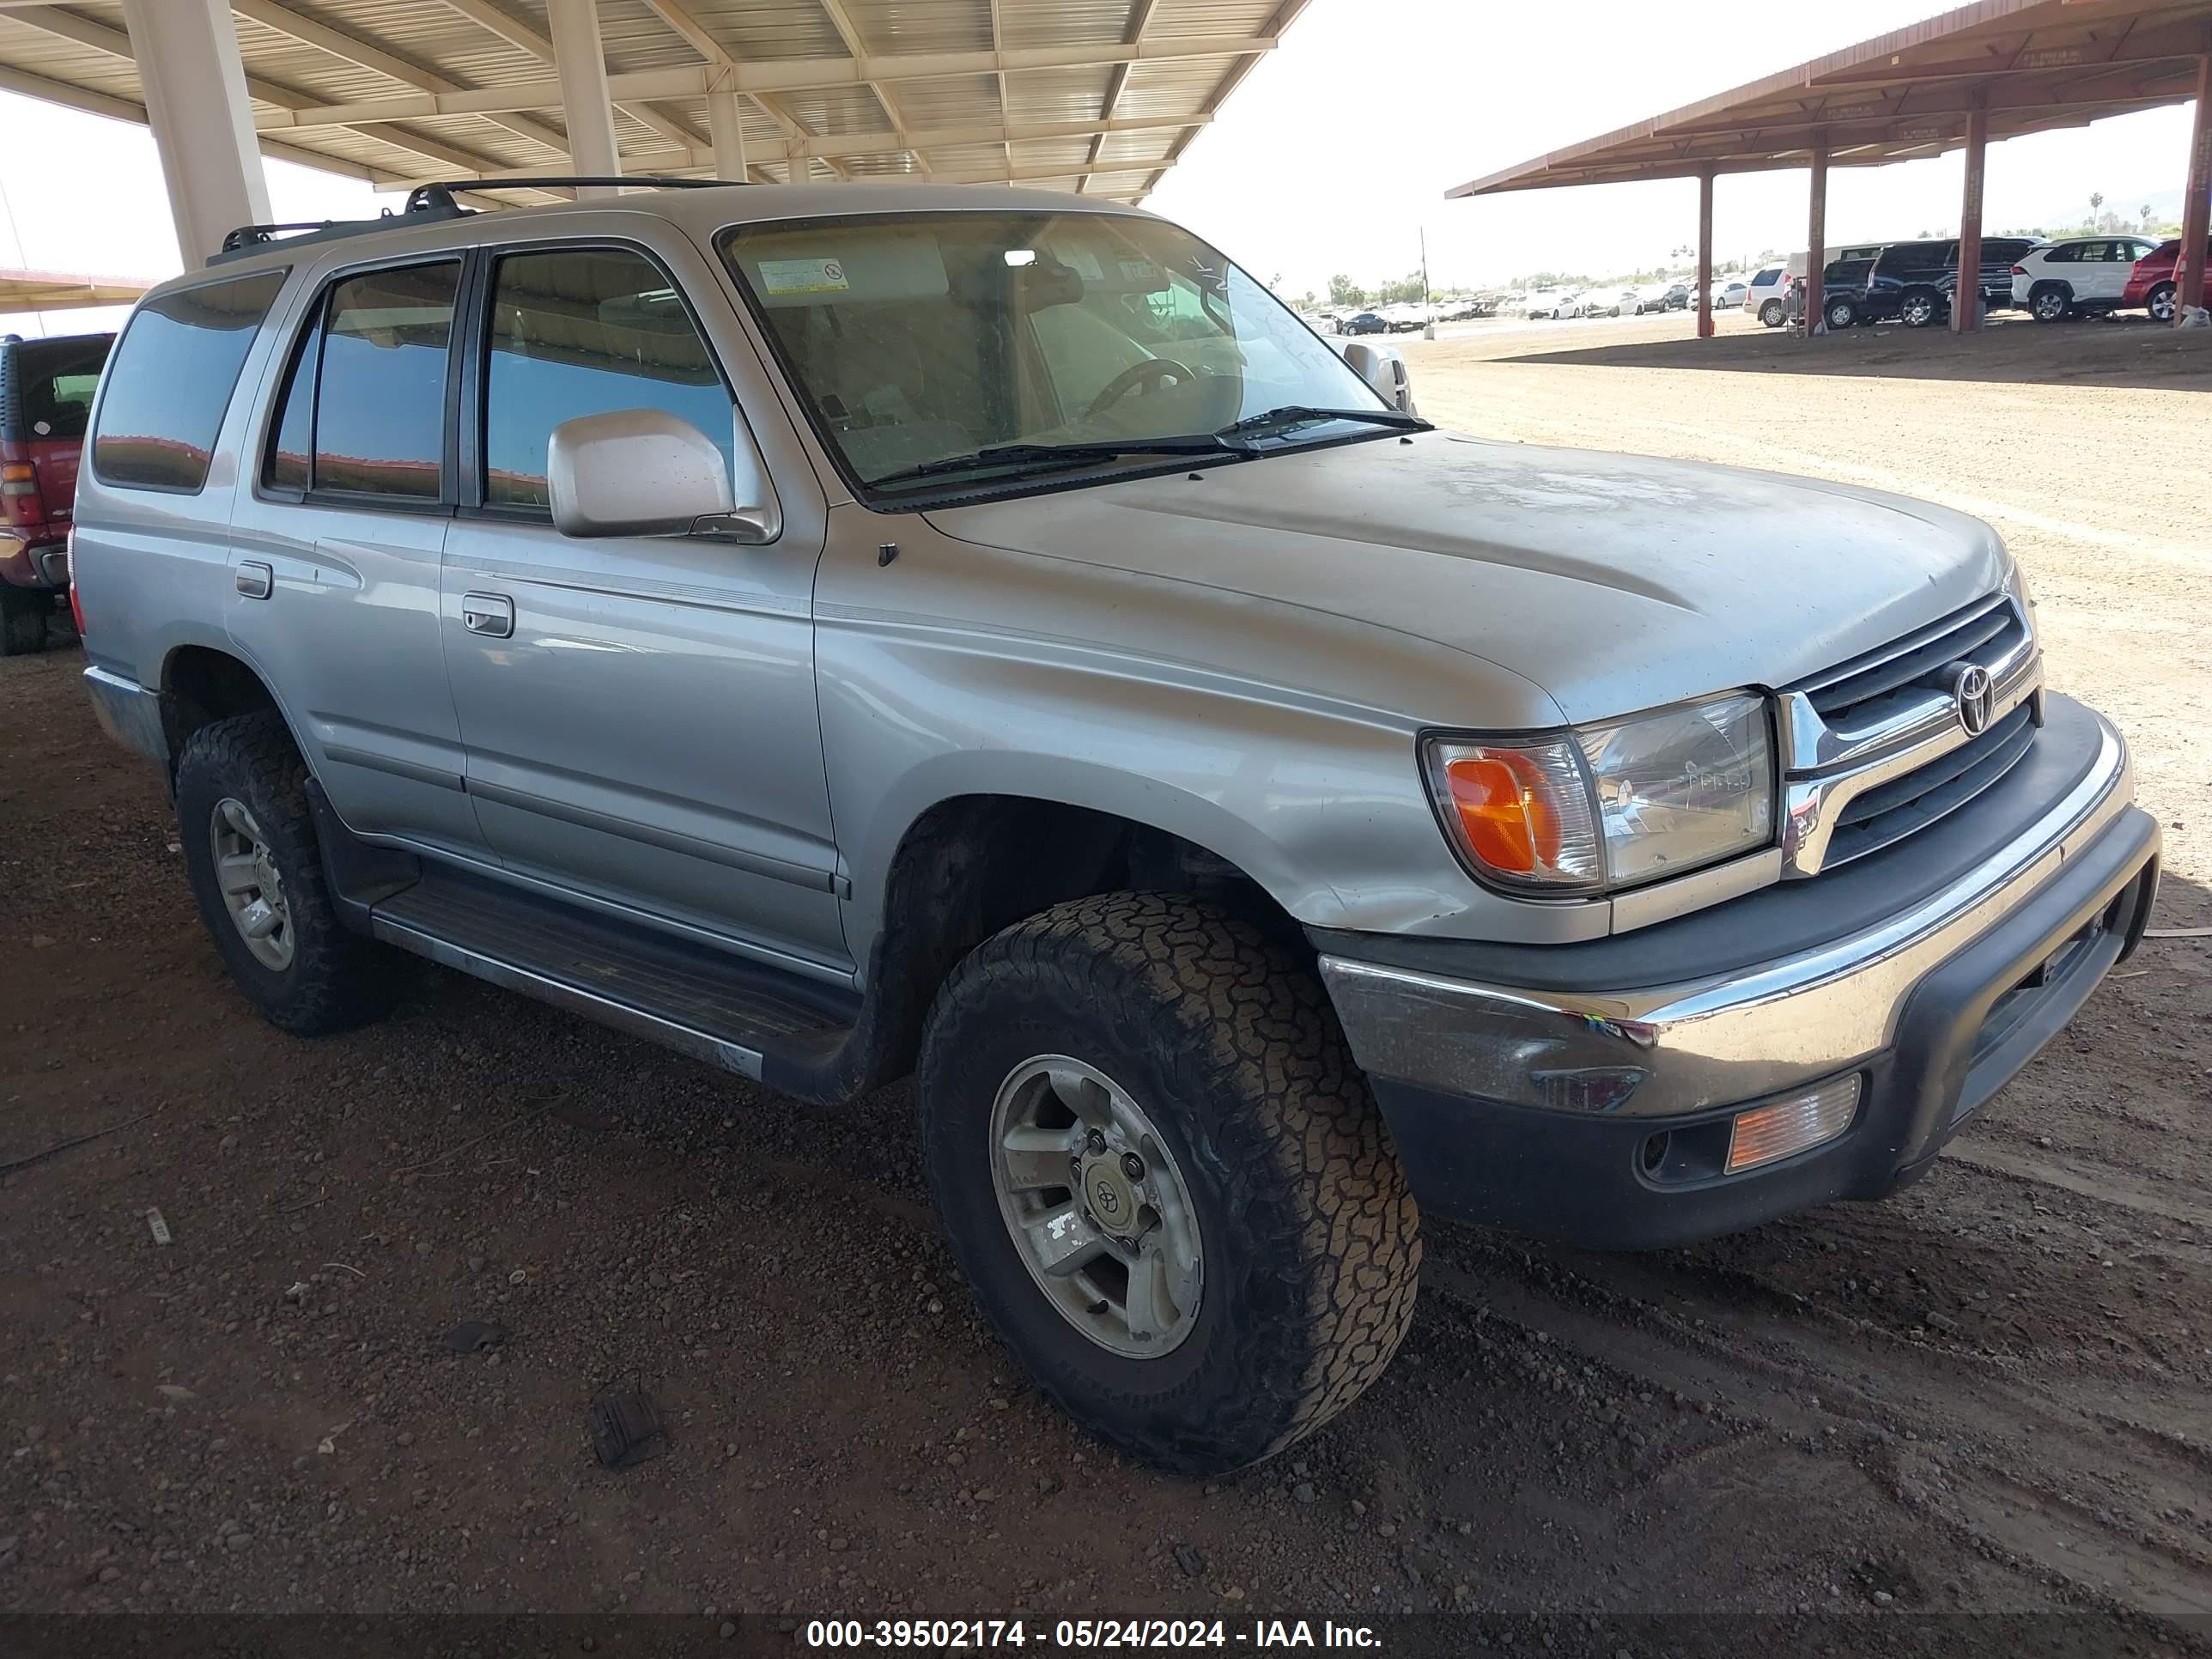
pixel 200 684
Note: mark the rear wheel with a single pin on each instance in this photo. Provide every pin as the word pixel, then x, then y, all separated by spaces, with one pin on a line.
pixel 23 613
pixel 256 870
pixel 1918 309
pixel 2052 304
pixel 1165 1178
pixel 2162 299
pixel 1841 314
pixel 1772 314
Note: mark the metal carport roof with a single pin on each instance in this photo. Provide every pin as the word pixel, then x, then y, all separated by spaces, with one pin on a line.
pixel 56 290
pixel 2029 65
pixel 1096 95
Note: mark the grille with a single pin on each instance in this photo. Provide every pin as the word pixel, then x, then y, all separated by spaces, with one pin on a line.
pixel 1889 812
pixel 1871 703
pixel 1867 689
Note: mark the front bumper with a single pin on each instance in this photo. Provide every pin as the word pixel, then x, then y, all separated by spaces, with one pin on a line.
pixel 1601 1114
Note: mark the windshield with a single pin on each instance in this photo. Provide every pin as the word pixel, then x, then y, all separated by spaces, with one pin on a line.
pixel 922 338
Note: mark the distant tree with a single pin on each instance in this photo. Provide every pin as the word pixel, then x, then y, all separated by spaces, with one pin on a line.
pixel 2096 204
pixel 2147 217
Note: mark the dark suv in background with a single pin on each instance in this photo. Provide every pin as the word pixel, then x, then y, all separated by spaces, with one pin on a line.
pixel 1913 282
pixel 45 392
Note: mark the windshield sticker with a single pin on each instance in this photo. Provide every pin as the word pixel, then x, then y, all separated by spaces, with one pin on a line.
pixel 803 276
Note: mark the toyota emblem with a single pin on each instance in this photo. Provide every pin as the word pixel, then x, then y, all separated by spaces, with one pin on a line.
pixel 1974 694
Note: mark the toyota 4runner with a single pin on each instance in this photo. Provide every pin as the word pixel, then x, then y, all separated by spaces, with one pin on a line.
pixel 846 631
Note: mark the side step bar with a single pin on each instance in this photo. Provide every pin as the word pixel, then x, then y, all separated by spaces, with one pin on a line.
pixel 730 1012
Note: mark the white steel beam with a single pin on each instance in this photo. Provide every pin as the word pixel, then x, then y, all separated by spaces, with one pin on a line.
pixel 725 126
pixel 586 109
pixel 523 37
pixel 780 74
pixel 196 103
pixel 1140 19
pixel 283 20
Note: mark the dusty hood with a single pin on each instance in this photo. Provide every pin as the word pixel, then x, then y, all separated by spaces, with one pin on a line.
pixel 1616 582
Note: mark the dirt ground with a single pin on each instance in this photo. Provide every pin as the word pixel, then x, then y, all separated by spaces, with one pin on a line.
pixel 1991 1395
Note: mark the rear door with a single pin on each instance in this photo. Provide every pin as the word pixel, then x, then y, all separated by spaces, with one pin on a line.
pixel 337 547
pixel 639 713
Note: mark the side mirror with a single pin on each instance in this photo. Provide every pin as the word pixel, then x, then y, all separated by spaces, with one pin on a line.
pixel 645 472
pixel 1384 367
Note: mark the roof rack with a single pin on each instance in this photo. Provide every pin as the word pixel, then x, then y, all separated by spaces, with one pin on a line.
pixel 427 204
pixel 440 193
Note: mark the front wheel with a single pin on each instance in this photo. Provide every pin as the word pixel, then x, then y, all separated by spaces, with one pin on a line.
pixel 1165 1178
pixel 2162 301
pixel 1917 310
pixel 1841 314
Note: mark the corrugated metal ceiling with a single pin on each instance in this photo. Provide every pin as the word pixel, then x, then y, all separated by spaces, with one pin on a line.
pixel 965 105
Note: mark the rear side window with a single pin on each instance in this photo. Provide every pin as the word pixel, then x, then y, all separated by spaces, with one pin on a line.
pixel 171 381
pixel 52 382
pixel 1767 277
pixel 581 331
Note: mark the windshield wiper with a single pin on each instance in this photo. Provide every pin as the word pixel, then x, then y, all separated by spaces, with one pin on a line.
pixel 1031 458
pixel 1292 414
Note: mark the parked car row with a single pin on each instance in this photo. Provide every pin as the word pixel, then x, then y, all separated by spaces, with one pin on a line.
pixel 1916 283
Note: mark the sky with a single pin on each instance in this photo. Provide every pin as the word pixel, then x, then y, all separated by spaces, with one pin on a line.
pixel 1335 154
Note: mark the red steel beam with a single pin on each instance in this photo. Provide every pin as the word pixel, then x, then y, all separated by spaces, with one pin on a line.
pixel 2196 204
pixel 1704 253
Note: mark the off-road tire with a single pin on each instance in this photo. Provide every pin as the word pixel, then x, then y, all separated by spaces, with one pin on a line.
pixel 23 622
pixel 1227 1040
pixel 1772 314
pixel 337 979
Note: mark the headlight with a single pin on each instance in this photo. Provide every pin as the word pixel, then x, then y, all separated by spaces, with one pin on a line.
pixel 1612 805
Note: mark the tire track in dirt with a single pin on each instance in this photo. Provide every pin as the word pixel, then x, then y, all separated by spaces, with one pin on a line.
pixel 2051 1475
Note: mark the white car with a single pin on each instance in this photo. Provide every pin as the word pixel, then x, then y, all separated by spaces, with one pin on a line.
pixel 2082 275
pixel 1767 294
pixel 1610 302
pixel 1546 302
pixel 1729 292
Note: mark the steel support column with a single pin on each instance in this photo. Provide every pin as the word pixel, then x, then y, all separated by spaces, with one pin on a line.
pixel 1705 253
pixel 2197 201
pixel 588 113
pixel 1967 298
pixel 1816 241
pixel 727 128
pixel 202 118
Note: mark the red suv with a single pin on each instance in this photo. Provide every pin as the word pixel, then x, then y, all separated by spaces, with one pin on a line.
pixel 45 394
pixel 2153 283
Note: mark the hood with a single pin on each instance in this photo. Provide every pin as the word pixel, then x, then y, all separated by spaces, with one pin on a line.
pixel 1616 582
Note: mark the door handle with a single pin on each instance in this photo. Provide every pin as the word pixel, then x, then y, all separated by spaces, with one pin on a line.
pixel 489 614
pixel 253 580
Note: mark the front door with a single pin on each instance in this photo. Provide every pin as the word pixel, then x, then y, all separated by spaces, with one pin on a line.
pixel 639 714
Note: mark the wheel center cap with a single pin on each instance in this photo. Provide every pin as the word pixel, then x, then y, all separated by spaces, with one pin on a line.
pixel 1111 1198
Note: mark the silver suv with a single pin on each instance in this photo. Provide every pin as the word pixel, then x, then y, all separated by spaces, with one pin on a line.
pixel 846 631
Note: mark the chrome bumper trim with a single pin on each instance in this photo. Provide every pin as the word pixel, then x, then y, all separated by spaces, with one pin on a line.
pixel 1712 1041
pixel 128 713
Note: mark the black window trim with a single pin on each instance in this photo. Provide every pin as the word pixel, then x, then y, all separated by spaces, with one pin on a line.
pixel 310 326
pixel 473 387
pixel 90 454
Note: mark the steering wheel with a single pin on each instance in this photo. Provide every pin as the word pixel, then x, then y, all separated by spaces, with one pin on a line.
pixel 1151 369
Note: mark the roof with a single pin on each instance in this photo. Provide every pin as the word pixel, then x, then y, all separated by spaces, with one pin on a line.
pixel 56 290
pixel 702 214
pixel 1100 95
pixel 2032 65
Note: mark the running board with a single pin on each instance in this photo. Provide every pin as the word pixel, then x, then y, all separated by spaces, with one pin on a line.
pixel 725 1010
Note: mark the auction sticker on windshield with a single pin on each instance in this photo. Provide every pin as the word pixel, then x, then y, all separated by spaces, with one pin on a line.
pixel 803 276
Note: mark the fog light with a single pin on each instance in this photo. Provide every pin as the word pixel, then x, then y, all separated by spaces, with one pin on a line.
pixel 1790 1125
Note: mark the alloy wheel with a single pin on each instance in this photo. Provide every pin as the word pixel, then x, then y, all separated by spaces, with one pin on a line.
pixel 1096 1206
pixel 252 888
